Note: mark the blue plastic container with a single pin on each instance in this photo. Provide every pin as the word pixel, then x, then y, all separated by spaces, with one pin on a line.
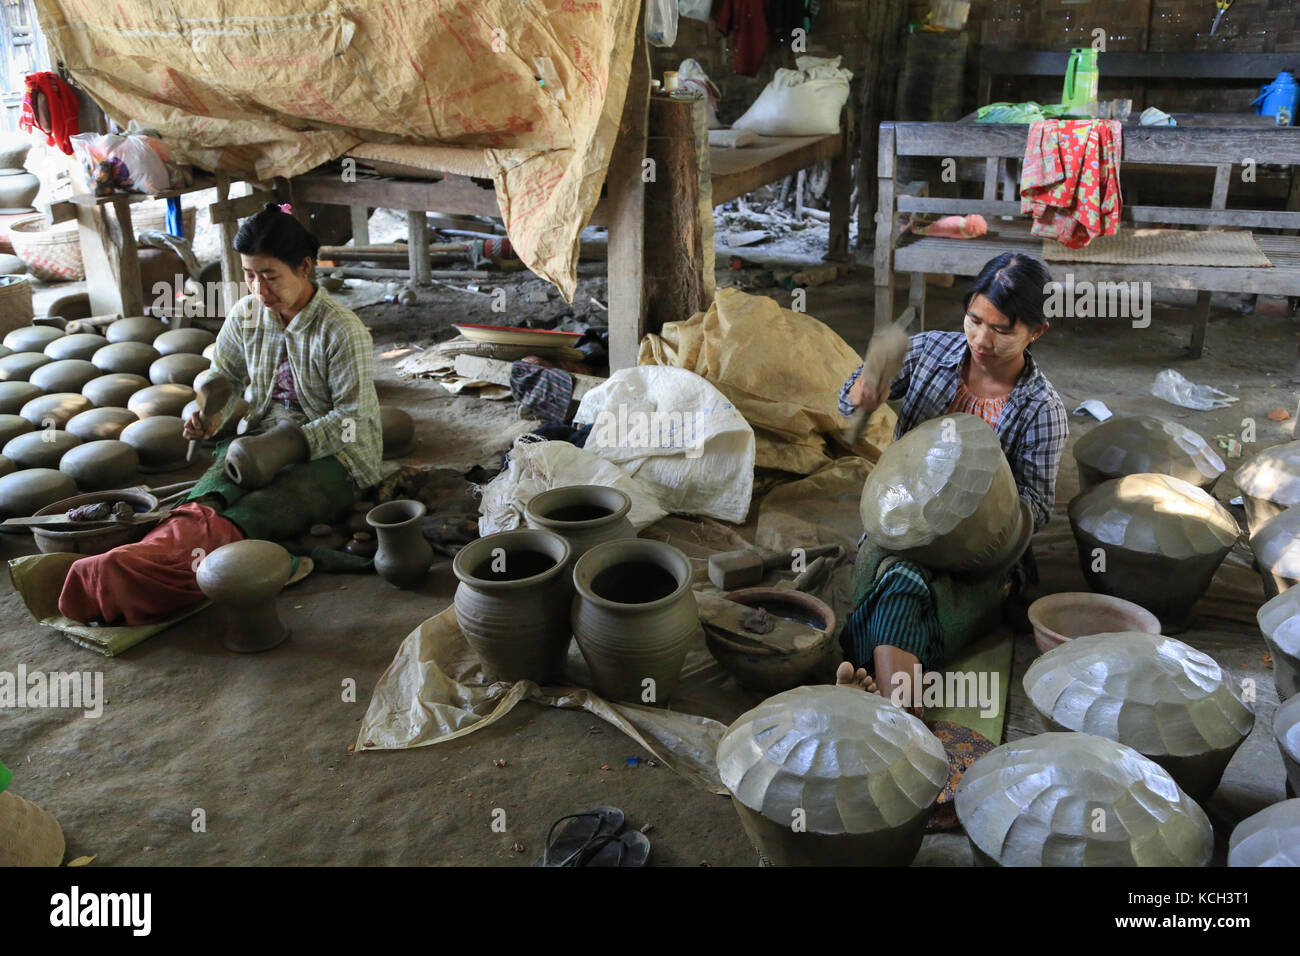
pixel 1279 98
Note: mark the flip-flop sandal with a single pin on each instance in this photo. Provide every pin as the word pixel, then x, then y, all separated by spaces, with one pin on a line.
pixel 626 849
pixel 579 835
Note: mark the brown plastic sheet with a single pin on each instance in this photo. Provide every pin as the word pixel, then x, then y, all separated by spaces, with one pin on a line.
pixel 277 87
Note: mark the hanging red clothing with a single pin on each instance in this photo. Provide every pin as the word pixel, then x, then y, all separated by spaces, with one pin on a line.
pixel 50 105
pixel 744 24
pixel 1070 180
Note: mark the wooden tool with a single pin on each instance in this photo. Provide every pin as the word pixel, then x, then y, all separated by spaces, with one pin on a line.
pixel 212 392
pixel 763 619
pixel 742 569
pixel 63 522
pixel 880 366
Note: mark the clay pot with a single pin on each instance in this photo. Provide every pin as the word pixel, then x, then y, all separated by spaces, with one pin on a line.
pixel 19 366
pixel 1057 618
pixel 1145 444
pixel 24 491
pixel 98 465
pixel 583 515
pixel 32 338
pixel 1160 540
pixel 1276 544
pixel 115 390
pixel 512 604
pixel 29 836
pixel 179 368
pixel 760 667
pixel 1166 700
pixel 160 400
pixel 64 375
pixel 13 154
pixel 1286 731
pixel 73 306
pixel 398 430
pixel 362 544
pixel 244 578
pixel 323 536
pixel 11 426
pixel 40 449
pixel 634 618
pixel 100 424
pixel 159 443
pixel 176 341
pixel 14 395
pixel 254 460
pixel 17 193
pixel 82 346
pixel 11 265
pixel 131 357
pixel 230 425
pixel 136 328
pixel 1269 483
pixel 96 540
pixel 55 409
pixel 1279 621
pixel 404 557
pixel 858 772
pixel 1268 838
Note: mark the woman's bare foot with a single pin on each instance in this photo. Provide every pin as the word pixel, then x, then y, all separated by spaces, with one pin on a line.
pixel 845 676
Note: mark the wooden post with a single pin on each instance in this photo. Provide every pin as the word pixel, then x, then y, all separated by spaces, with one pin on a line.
pixel 841 187
pixel 109 253
pixel 882 45
pixel 232 271
pixel 360 225
pixel 884 251
pixel 417 242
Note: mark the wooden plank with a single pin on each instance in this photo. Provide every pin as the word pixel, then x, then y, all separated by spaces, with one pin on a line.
pixel 1222 175
pixel 1185 215
pixel 992 175
pixel 740 171
pixel 1141 64
pixel 389 193
pixel 841 188
pixel 113 199
pixel 241 207
pixel 884 251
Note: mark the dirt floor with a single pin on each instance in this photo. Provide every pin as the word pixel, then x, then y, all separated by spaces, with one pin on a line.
pixel 260 743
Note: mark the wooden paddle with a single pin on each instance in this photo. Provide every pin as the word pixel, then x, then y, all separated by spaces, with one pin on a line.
pixel 880 366
pixel 62 521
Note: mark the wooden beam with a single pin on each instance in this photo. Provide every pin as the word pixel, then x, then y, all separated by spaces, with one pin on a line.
pixel 884 251
pixel 241 207
pixel 232 271
pixel 417 240
pixel 1142 64
pixel 841 187
pixel 360 225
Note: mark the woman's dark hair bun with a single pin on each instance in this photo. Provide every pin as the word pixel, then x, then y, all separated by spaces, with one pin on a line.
pixel 273 232
pixel 1016 284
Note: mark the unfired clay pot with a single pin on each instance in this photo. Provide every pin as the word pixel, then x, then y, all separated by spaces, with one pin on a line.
pixel 1268 838
pixel 1165 699
pixel 131 357
pixel 82 346
pixel 29 836
pixel 1158 538
pixel 362 544
pixel 98 465
pixel 64 375
pixel 14 395
pixel 1066 799
pixel 583 515
pixel 24 491
pixel 55 409
pixel 191 340
pixel 1286 731
pixel 114 390
pixel 634 618
pixel 32 338
pixel 1145 444
pixel 17 192
pixel 11 426
pixel 244 578
pixel 40 449
pixel 254 460
pixel 1061 617
pixel 1276 544
pixel 73 306
pixel 761 667
pixel 159 443
pixel 19 366
pixel 160 400
pixel 4 352
pixel 512 604
pixel 1269 483
pixel 99 424
pixel 136 328
pixel 179 368
pixel 404 557
pixel 1279 621
pixel 398 430
pixel 832 776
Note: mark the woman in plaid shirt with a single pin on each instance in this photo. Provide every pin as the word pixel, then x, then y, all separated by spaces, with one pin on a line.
pixel 986 370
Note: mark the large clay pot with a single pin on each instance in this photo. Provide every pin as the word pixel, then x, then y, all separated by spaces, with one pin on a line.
pixel 24 491
pixel 1154 540
pixel 114 390
pixel 82 346
pixel 40 449
pixel 55 409
pixel 131 357
pixel 1145 444
pixel 160 400
pixel 29 836
pixel 1166 700
pixel 1269 483
pixel 513 604
pixel 1276 544
pixel 398 431
pixel 944 496
pixel 583 515
pixel 98 465
pixel 1071 799
pixel 254 460
pixel 832 776
pixel 96 540
pixel 159 443
pixel 1268 838
pixel 244 578
pixel 404 556
pixel 17 193
pixel 1279 621
pixel 634 618
pixel 135 328
pixel 32 338
pixel 1286 731
pixel 179 368
pixel 19 366
pixel 11 426
pixel 64 375
pixel 14 395
pixel 100 424
pixel 193 341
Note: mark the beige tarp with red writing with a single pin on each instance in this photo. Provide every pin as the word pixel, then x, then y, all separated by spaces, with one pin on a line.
pixel 274 88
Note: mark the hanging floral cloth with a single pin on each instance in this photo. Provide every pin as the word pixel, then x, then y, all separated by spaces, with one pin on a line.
pixel 1070 180
pixel 50 105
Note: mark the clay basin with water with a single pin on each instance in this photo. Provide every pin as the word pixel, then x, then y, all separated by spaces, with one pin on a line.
pixel 1058 618
pixel 759 666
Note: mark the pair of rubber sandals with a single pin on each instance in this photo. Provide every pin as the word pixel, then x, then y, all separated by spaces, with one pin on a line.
pixel 591 838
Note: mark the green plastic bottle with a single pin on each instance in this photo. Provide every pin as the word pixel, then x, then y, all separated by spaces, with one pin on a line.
pixel 1080 82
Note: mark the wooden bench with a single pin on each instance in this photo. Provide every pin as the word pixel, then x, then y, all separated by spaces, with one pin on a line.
pixel 994 143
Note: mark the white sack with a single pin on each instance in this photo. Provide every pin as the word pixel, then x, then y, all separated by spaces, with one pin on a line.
pixel 802 102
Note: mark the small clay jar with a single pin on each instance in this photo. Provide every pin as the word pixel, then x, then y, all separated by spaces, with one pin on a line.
pixel 17 193
pixel 583 515
pixel 131 357
pixel 25 491
pixel 32 338
pixel 11 426
pixel 55 409
pixel 244 578
pixel 98 465
pixel 362 544
pixel 254 460
pixel 40 449
pixel 82 346
pixel 1279 622
pixel 513 602
pixel 193 341
pixel 160 400
pixel 398 429
pixel 14 395
pixel 113 390
pixel 135 328
pixel 19 366
pixel 323 536
pixel 403 557
pixel 159 442
pixel 634 618
pixel 100 424
pixel 179 368
pixel 64 375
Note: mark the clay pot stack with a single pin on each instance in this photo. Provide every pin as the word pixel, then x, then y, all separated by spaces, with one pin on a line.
pixel 18 187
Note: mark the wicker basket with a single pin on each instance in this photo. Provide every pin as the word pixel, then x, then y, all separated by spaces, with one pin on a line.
pixel 15 303
pixel 52 253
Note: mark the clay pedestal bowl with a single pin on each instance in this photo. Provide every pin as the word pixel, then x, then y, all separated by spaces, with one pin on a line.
pixel 1286 731
pixel 55 409
pixel 759 667
pixel 14 395
pixel 244 578
pixel 1279 622
pixel 159 442
pixel 583 515
pixel 40 449
pixel 161 400
pixel 193 341
pixel 101 464
pixel 19 366
pixel 64 375
pixel 100 424
pixel 178 368
pixel 11 426
pixel 91 540
pixel 1269 838
pixel 1057 618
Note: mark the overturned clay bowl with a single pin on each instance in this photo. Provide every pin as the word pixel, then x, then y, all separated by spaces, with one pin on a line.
pixel 114 390
pixel 40 449
pixel 55 410
pixel 32 338
pixel 398 431
pixel 64 375
pixel 82 346
pixel 179 368
pixel 1279 622
pixel 1268 838
pixel 136 328
pixel 19 366
pixel 244 578
pixel 132 357
pixel 159 442
pixel 1276 544
pixel 96 540
pixel 25 491
pixel 98 465
pixel 1145 444
pixel 1269 483
pixel 98 424
pixel 832 776
pixel 11 426
pixel 1154 540
pixel 1069 799
pixel 161 400
pixel 1165 699
pixel 1286 731
pixel 193 341
pixel 1057 618
pixel 783 657
pixel 14 395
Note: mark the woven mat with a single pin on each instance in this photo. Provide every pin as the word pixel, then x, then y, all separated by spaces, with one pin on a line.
pixel 1165 247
